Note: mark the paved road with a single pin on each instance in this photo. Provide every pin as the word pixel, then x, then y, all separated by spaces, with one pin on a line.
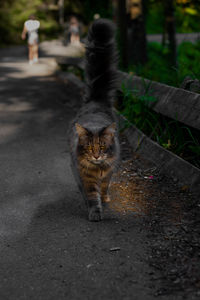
pixel 48 248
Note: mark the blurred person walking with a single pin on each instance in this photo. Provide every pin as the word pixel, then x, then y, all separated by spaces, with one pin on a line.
pixel 74 30
pixel 31 27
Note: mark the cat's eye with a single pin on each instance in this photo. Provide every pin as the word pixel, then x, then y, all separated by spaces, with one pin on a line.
pixel 89 147
pixel 102 147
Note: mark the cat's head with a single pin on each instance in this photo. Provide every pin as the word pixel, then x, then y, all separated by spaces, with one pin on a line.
pixel 96 147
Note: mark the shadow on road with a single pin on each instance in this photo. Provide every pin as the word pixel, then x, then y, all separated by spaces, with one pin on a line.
pixel 146 246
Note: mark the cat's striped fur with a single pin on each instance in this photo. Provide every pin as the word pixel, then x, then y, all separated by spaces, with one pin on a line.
pixel 93 135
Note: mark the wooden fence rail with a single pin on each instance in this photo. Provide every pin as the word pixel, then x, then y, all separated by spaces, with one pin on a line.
pixel 176 103
pixel 172 102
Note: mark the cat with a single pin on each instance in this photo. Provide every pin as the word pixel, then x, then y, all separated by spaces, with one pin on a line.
pixel 94 144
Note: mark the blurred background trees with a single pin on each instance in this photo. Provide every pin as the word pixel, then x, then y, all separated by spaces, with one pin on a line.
pixel 13 14
pixel 166 61
pixel 154 16
pixel 51 13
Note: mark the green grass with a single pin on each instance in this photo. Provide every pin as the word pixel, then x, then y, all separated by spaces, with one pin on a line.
pixel 170 134
pixel 159 69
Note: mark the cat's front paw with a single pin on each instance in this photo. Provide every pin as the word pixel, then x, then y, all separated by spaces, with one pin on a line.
pixel 95 214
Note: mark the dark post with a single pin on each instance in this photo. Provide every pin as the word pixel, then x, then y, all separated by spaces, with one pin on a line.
pixel 122 31
pixel 170 29
pixel 137 32
pixel 61 12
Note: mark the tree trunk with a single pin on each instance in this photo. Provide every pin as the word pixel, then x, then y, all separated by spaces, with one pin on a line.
pixel 61 12
pixel 137 34
pixel 170 29
pixel 122 32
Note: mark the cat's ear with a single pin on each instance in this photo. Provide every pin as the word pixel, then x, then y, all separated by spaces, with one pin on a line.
pixel 81 130
pixel 110 130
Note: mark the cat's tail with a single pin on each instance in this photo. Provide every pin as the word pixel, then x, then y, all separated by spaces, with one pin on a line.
pixel 101 62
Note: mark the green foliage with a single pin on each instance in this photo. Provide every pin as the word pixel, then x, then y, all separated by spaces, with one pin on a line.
pixel 188 58
pixel 86 9
pixel 155 18
pixel 5 21
pixel 91 7
pixel 187 19
pixel 170 134
pixel 14 13
pixel 159 69
pixel 186 16
pixel 136 106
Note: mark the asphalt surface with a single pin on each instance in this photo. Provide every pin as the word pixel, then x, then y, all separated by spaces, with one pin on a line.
pixel 49 250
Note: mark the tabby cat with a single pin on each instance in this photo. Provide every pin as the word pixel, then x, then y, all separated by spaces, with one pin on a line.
pixel 93 136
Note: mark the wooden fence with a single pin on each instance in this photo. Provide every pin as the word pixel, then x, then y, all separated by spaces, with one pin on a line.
pixel 176 103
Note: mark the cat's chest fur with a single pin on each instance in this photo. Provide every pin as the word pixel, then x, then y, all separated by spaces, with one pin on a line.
pixel 98 171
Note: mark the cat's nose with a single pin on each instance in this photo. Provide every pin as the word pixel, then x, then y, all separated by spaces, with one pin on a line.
pixel 96 156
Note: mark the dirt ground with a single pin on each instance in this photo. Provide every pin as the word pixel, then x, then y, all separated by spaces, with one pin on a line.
pixel 171 219
pixel 146 247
